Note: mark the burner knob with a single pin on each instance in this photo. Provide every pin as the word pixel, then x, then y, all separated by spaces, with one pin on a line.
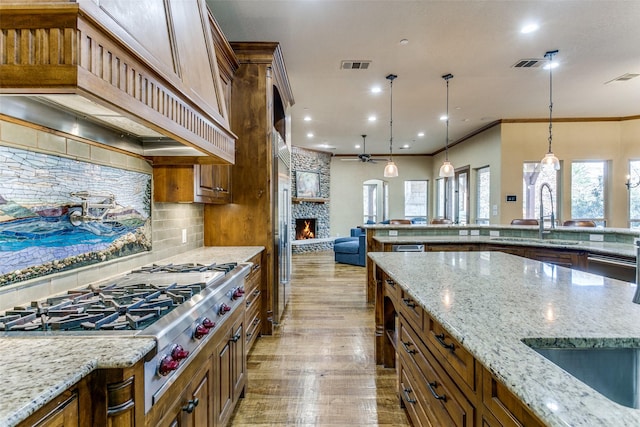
pixel 166 365
pixel 178 353
pixel 237 293
pixel 224 309
pixel 200 332
pixel 207 323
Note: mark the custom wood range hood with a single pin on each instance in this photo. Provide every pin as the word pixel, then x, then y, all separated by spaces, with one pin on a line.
pixel 136 76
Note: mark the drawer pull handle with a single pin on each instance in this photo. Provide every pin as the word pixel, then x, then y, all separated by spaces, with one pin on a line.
pixel 406 392
pixel 406 347
pixel 408 302
pixel 440 338
pixel 256 292
pixel 432 387
pixel 235 338
pixel 391 283
pixel 191 405
pixel 255 267
pixel 256 320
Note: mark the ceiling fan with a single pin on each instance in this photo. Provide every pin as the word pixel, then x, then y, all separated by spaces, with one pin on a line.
pixel 363 157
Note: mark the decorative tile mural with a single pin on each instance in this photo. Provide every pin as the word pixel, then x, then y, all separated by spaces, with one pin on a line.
pixel 57 214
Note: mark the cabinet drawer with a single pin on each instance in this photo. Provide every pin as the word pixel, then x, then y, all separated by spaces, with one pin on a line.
pixel 252 298
pixel 460 362
pixel 504 405
pixel 444 402
pixel 253 325
pixel 390 289
pixel 411 400
pixel 410 310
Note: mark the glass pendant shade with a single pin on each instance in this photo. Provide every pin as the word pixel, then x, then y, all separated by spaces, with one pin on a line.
pixel 550 159
pixel 447 170
pixel 390 170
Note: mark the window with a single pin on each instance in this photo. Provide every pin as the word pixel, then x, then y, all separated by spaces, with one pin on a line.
pixel 483 201
pixel 461 192
pixel 634 195
pixel 533 177
pixel 588 191
pixel 370 203
pixel 415 199
pixel 440 197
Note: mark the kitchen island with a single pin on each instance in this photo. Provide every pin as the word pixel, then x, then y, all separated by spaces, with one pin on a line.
pixel 38 368
pixel 488 303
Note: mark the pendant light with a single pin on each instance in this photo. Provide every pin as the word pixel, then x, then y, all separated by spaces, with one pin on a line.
pixel 391 170
pixel 550 159
pixel 447 170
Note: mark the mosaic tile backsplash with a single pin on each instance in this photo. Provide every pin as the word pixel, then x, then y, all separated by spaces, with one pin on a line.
pixel 58 213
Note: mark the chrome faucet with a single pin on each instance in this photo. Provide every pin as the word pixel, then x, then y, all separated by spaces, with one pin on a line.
pixel 553 219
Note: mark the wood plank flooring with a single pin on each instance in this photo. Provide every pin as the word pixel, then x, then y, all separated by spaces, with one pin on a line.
pixel 318 368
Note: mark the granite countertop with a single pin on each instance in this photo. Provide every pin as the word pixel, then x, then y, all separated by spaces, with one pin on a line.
pixel 491 301
pixel 38 368
pixel 603 248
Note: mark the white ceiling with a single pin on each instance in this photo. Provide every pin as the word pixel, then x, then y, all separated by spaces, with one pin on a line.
pixel 477 41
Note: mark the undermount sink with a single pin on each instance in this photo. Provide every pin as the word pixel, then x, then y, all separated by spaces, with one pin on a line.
pixel 535 240
pixel 612 371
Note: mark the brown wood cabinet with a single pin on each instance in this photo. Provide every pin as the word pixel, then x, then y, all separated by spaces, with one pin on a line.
pixel 192 183
pixel 261 101
pixel 253 299
pixel 192 408
pixel 439 382
pixel 230 365
pixel 63 411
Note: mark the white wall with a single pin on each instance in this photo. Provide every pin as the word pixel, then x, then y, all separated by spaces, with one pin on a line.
pixel 478 151
pixel 346 188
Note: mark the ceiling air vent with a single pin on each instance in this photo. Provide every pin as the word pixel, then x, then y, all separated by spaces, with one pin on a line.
pixel 355 65
pixel 529 63
pixel 623 78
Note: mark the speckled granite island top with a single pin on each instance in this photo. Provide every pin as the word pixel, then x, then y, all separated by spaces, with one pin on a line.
pixel 605 248
pixel 491 301
pixel 36 369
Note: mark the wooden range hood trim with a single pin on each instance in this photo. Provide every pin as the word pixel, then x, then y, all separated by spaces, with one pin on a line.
pixel 73 53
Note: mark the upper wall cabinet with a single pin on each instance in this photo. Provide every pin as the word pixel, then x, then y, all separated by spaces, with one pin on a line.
pixel 148 68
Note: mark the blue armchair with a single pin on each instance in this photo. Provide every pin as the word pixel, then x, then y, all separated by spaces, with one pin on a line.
pixel 351 250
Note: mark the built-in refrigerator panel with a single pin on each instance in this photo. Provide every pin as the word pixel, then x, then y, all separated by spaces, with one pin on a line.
pixel 282 230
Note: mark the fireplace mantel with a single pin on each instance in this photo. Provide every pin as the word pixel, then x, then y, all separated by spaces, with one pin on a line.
pixel 309 200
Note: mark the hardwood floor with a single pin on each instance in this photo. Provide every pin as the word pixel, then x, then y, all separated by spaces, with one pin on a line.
pixel 318 368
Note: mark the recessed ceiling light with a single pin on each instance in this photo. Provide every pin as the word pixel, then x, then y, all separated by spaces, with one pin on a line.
pixel 420 133
pixel 406 146
pixel 307 118
pixel 552 65
pixel 443 118
pixel 376 89
pixel 357 145
pixel 372 118
pixel 529 28
pixel 404 42
pixel 310 135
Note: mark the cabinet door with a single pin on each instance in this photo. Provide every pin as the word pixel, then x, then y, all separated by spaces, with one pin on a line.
pixel 238 359
pixel 224 386
pixel 212 183
pixel 200 414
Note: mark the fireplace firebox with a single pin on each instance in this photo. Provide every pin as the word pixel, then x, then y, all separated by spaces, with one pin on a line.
pixel 306 228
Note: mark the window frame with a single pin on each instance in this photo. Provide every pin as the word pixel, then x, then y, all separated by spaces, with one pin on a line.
pixel 426 198
pixel 600 221
pixel 480 219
